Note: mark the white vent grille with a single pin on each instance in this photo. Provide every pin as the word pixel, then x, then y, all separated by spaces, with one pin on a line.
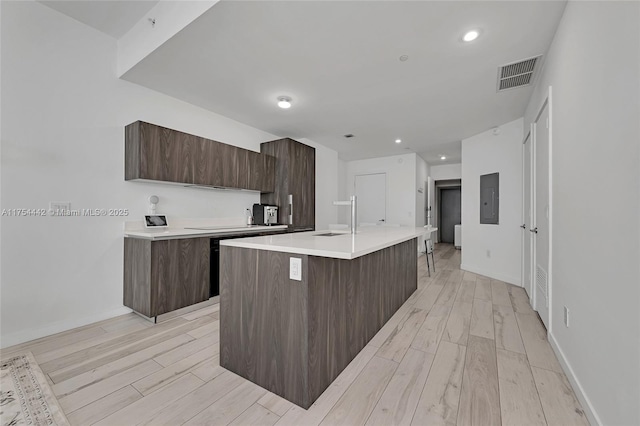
pixel 517 74
pixel 541 280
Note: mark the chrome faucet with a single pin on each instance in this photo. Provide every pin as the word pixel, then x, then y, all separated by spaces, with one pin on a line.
pixel 354 211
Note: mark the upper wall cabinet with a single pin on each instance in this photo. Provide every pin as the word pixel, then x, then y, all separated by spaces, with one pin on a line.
pixel 295 186
pixel 160 154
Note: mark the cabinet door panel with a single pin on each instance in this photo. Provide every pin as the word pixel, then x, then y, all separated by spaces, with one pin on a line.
pixel 151 153
pixel 183 157
pixel 179 273
pixel 168 153
pixel 207 162
pixel 216 163
pixel 302 185
pixel 137 268
pixel 235 171
pixel 255 171
pixel 260 172
pixel 296 178
pixel 309 188
pixel 269 175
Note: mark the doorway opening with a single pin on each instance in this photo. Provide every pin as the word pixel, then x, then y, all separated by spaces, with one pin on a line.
pixel 448 209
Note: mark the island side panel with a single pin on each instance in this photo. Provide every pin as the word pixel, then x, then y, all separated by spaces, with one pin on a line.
pixel 409 250
pixel 282 327
pixel 371 277
pixel 263 321
pixel 328 322
pixel 238 271
pixel 345 313
pixel 391 277
pixel 355 305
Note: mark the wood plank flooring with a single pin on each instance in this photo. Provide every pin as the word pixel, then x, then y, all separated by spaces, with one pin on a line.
pixel 463 350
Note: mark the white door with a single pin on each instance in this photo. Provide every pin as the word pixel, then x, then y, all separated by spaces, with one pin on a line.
pixel 540 230
pixel 371 191
pixel 527 237
pixel 429 186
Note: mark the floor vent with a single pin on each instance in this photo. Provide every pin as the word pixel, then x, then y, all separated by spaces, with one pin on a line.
pixel 541 281
pixel 517 74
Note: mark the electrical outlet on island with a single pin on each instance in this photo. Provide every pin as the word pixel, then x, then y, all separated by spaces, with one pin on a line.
pixel 295 268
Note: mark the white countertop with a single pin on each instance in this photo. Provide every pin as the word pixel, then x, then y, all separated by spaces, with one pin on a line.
pixel 198 231
pixel 344 246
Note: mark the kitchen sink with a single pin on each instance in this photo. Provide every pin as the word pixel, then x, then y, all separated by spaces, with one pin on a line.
pixel 330 234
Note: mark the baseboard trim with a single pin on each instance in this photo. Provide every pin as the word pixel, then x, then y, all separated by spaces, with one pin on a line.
pixel 492 274
pixel 58 327
pixel 591 413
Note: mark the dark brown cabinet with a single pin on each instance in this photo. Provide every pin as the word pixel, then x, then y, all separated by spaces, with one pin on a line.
pixel 295 183
pixel 162 276
pixel 160 154
pixel 236 167
pixel 261 171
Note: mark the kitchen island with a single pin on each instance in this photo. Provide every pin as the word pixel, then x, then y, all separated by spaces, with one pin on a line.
pixel 295 309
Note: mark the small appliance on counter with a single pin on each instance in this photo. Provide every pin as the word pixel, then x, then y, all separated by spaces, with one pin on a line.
pixel 265 215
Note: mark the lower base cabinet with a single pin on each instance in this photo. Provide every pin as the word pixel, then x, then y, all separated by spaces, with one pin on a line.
pixel 162 276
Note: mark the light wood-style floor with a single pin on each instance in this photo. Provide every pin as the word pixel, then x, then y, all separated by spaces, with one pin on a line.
pixel 464 349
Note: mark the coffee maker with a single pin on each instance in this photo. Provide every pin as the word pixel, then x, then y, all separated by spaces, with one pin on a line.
pixel 264 214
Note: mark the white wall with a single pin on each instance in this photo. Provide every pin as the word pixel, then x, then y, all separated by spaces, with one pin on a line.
pixel 63 118
pixel 446 171
pixel 343 214
pixel 401 184
pixel 593 67
pixel 422 175
pixel 482 154
pixel 326 184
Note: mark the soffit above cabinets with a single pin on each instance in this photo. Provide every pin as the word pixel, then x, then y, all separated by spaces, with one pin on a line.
pixel 111 17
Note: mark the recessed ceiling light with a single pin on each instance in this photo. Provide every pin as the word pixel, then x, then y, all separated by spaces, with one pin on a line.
pixel 398 140
pixel 284 102
pixel 470 36
pixel 442 157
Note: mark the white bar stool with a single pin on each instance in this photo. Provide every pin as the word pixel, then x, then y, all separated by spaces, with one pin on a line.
pixel 428 249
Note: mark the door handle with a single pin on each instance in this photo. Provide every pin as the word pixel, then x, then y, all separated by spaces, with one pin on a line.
pixel 534 230
pixel 523 226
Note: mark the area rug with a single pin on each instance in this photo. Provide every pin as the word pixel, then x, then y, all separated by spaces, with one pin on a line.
pixel 25 395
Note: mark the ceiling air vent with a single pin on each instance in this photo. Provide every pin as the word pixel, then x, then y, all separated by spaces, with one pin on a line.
pixel 517 74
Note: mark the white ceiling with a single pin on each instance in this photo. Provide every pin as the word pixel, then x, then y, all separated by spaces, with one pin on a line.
pixel 114 17
pixel 339 61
